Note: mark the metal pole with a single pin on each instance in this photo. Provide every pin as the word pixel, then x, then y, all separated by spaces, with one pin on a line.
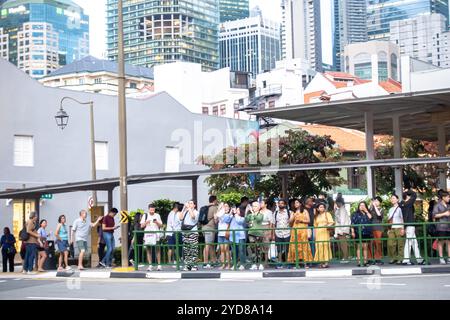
pixel 397 155
pixel 442 141
pixel 122 135
pixel 94 167
pixel 370 153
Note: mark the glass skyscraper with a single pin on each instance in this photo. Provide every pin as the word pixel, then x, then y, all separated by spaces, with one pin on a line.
pixel 381 12
pixel 233 10
pixel 41 35
pixel 157 32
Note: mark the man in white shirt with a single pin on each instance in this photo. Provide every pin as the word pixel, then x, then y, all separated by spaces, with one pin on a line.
pixel 342 230
pixel 173 232
pixel 396 240
pixel 152 222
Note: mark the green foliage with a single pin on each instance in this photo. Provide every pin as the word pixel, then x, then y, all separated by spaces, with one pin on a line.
pixel 133 214
pixel 232 196
pixel 163 207
pixel 298 147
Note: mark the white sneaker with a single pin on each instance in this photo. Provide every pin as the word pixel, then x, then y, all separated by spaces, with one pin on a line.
pixel 194 269
pixel 68 269
pixel 159 268
pixel 208 266
pixel 442 261
pixel 31 273
pixel 24 271
pixel 241 268
pixel 254 267
pixel 150 268
pixel 186 269
pixel 261 267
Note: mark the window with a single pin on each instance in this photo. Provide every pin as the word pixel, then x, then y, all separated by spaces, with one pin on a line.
pixel 205 110
pixel 23 151
pixel 133 85
pixel 98 80
pixel 81 81
pixel 223 110
pixel 215 110
pixel 101 155
pixel 172 159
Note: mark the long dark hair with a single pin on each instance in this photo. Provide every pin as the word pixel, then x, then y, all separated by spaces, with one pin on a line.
pixel 42 221
pixel 60 218
pixel 365 205
pixel 6 231
pixel 301 208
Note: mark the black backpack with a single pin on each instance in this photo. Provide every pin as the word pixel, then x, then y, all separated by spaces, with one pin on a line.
pixel 203 215
pixel 24 235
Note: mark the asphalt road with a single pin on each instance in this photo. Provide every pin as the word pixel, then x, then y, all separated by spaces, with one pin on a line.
pixel 423 287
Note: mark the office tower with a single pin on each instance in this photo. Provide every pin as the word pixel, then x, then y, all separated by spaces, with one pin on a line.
pixel 350 26
pixel 380 13
pixel 157 32
pixel 233 10
pixel 40 36
pixel 301 31
pixel 251 45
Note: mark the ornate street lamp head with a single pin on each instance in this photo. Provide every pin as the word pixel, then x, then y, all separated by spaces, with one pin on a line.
pixel 62 118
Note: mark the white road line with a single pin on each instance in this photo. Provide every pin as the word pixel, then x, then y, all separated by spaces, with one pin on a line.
pixel 328 273
pixel 306 281
pixel 17 279
pixel 58 298
pixel 382 284
pixel 400 271
pixel 235 280
pixel 447 285
pixel 1 281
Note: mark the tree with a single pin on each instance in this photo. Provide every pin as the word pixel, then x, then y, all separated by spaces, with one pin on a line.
pixel 297 147
pixel 423 178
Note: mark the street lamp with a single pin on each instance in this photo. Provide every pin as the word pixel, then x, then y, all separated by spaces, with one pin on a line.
pixel 62 119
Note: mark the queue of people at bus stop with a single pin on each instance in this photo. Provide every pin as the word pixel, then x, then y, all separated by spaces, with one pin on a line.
pixel 245 233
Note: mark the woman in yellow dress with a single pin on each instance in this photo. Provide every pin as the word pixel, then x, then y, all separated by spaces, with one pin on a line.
pixel 299 219
pixel 323 219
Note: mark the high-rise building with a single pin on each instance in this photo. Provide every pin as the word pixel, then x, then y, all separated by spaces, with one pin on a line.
pixel 233 10
pixel 157 32
pixel 375 60
pixel 301 31
pixel 350 26
pixel 40 36
pixel 380 13
pixel 251 45
pixel 424 37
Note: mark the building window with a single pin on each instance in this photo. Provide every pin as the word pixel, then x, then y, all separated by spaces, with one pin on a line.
pixel 215 110
pixel 205 110
pixel 98 80
pixel 172 163
pixel 133 85
pixel 272 104
pixel 223 110
pixel 23 151
pixel 81 81
pixel 101 155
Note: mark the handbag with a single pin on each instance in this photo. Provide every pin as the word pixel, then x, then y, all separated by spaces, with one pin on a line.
pixel 186 227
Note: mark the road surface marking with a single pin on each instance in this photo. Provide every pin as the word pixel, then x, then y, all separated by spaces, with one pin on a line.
pixel 328 273
pixel 1 281
pixel 382 284
pixel 236 280
pixel 58 298
pixel 306 281
pixel 399 271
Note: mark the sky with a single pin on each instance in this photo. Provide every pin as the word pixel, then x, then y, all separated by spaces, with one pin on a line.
pixel 96 11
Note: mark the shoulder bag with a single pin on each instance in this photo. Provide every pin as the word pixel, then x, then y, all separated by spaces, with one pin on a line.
pixel 186 227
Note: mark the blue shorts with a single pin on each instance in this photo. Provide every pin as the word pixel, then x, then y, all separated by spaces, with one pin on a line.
pixel 223 240
pixel 63 245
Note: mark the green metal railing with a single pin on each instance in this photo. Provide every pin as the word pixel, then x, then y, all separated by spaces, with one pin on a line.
pixel 332 244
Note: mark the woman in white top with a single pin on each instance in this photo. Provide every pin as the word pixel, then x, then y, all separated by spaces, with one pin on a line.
pixel 151 221
pixel 224 216
pixel 189 221
pixel 266 224
pixel 396 240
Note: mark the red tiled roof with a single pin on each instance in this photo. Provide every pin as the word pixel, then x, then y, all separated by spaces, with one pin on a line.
pixel 315 94
pixel 391 86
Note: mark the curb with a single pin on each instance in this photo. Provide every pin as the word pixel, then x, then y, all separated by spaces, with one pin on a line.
pixel 254 275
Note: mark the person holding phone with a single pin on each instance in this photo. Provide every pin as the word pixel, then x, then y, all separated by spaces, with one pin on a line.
pixel 396 240
pixel 224 216
pixel 108 227
pixel 361 231
pixel 189 220
pixel 151 222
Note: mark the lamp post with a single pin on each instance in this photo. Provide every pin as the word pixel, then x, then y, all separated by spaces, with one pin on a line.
pixel 122 134
pixel 62 119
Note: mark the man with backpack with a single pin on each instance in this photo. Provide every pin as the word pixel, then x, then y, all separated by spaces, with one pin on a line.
pixel 30 236
pixel 282 237
pixel 208 222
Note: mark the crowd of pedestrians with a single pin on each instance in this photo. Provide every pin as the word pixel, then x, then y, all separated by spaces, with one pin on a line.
pixel 250 234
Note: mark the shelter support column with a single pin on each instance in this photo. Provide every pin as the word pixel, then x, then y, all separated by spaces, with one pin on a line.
pixel 195 190
pixel 442 153
pixel 370 153
pixel 284 185
pixel 110 199
pixel 398 172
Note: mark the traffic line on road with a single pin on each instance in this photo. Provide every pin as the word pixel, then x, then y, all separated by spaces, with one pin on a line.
pixel 329 273
pixel 59 298
pixel 236 280
pixel 1 281
pixel 305 282
pixel 372 284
